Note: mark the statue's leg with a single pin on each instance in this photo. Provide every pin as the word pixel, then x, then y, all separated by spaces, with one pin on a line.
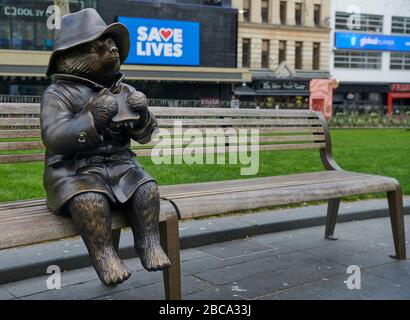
pixel 91 214
pixel 143 212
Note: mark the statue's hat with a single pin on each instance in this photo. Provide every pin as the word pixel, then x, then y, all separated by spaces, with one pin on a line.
pixel 84 26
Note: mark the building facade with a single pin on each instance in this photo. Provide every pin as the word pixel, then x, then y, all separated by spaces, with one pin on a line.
pixel 370 55
pixel 200 64
pixel 285 44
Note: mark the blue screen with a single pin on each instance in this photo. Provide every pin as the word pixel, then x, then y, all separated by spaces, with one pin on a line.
pixel 365 41
pixel 162 42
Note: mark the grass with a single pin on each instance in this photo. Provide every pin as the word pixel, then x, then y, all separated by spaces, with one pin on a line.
pixel 376 151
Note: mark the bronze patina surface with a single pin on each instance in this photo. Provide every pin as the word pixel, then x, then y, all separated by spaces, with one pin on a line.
pixel 88 118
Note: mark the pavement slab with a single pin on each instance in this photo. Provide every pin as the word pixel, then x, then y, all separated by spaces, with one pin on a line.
pixel 296 264
pixel 335 288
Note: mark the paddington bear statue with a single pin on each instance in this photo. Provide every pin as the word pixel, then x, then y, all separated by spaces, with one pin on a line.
pixel 88 116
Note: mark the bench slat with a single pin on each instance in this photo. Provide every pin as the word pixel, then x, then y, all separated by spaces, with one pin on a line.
pixel 19 158
pixel 19 122
pixel 21 145
pixel 203 205
pixel 13 134
pixel 251 183
pixel 47 226
pixel 34 109
pixel 34 145
pixel 35 122
pixel 226 150
pixel 19 108
pixel 206 112
pixel 189 139
pixel 237 122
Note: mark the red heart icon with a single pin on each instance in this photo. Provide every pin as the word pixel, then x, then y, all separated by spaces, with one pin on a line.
pixel 165 33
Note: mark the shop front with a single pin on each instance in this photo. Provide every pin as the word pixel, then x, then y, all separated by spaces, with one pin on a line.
pixel 275 93
pixel 398 98
pixel 360 98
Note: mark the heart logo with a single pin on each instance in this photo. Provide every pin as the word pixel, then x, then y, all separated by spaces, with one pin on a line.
pixel 165 33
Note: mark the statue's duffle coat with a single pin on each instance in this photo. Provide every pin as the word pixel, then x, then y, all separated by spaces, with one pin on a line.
pixel 78 158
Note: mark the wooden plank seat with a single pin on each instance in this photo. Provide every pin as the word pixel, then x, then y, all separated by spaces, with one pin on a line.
pixel 277 130
pixel 201 199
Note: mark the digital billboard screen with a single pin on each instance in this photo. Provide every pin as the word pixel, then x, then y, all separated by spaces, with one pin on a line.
pixel 365 41
pixel 163 42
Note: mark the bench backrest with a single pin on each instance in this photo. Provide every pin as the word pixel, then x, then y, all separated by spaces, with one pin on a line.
pixel 20 139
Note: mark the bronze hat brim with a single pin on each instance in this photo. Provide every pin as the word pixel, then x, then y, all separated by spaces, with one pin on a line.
pixel 117 30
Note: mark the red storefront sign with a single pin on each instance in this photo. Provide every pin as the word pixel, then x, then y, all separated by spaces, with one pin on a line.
pixel 400 87
pixel 397 91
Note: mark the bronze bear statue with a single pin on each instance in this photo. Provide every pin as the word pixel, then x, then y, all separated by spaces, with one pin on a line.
pixel 89 166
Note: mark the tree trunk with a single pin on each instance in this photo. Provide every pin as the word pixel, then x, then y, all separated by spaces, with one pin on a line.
pixel 64 6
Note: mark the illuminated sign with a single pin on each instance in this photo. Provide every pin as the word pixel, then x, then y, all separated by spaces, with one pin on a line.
pixel 366 41
pixel 162 42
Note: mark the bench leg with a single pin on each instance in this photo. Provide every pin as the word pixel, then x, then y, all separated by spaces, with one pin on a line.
pixel 331 218
pixel 169 234
pixel 116 234
pixel 397 222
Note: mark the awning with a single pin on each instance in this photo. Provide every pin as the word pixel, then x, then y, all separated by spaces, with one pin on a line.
pixel 271 93
pixel 22 63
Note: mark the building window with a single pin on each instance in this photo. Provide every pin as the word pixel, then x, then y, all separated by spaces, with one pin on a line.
pixel 316 15
pixel 298 14
pixel 316 56
pixel 246 53
pixel 282 51
pixel 29 31
pixel 298 55
pixel 265 11
pixel 247 10
pixel 44 36
pixel 265 53
pixel 364 22
pixel 22 35
pixel 399 61
pixel 358 59
pixel 282 12
pixel 5 33
pixel 400 25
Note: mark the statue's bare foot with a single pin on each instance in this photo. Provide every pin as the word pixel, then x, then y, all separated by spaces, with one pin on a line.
pixel 110 269
pixel 153 258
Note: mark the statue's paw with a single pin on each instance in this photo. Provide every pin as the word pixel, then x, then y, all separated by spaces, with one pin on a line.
pixel 153 258
pixel 110 269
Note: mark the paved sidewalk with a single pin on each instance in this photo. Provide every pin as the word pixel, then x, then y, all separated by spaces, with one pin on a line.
pixel 31 261
pixel 296 264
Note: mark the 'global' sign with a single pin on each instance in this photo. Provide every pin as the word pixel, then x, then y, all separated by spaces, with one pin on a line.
pixel 162 42
pixel 367 41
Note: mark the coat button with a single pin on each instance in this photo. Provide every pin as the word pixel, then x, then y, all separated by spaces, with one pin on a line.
pixel 82 137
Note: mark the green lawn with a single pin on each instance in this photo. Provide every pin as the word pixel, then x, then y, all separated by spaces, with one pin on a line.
pixel 383 152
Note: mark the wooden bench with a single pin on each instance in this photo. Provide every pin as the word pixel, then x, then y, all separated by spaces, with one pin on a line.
pixel 29 222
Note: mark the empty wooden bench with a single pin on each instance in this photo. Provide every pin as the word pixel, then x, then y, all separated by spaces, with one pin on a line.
pixel 279 130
